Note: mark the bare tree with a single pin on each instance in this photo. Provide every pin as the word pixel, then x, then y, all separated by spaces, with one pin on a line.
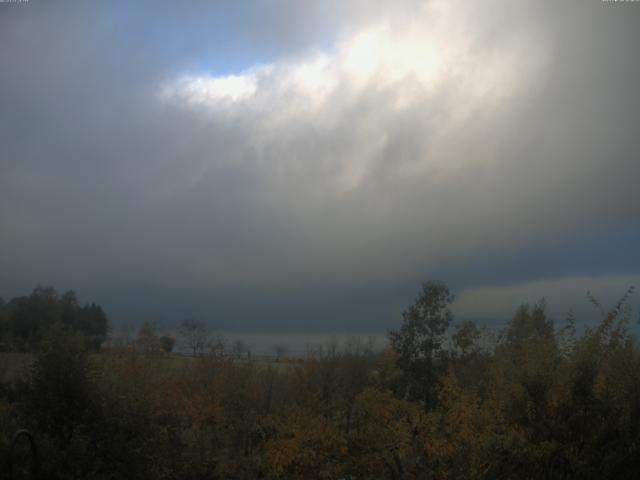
pixel 280 350
pixel 239 348
pixel 217 346
pixel 195 335
pixel 147 339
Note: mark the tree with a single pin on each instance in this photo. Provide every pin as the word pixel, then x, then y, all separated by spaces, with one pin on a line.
pixel 239 348
pixel 195 335
pixel 466 337
pixel 310 446
pixel 167 343
pixel 420 338
pixel 147 339
pixel 280 350
pixel 28 318
pixel 61 386
pixel 60 401
pixel 529 324
pixel 93 323
pixel 217 345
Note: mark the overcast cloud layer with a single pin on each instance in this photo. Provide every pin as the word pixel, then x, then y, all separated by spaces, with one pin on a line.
pixel 274 166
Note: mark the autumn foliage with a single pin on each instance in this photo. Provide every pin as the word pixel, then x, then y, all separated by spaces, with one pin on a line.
pixel 533 400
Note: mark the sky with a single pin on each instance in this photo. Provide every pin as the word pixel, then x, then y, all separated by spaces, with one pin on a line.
pixel 277 165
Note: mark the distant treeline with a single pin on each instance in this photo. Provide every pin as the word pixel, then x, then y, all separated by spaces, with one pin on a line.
pixel 446 400
pixel 24 320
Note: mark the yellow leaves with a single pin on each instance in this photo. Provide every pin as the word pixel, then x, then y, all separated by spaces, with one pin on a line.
pixel 342 417
pixel 600 385
pixel 383 441
pixel 461 435
pixel 309 446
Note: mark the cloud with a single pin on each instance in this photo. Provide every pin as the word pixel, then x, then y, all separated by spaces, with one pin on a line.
pixel 561 295
pixel 212 149
pixel 402 146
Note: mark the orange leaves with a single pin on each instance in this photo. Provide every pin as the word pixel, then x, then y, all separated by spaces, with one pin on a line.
pixel 384 442
pixel 460 432
pixel 308 446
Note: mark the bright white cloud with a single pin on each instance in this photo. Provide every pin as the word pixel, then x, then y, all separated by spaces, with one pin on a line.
pixel 210 90
pixel 432 53
pixel 370 137
pixel 432 65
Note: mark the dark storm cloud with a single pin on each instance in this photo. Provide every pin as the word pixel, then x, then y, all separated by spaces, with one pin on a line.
pixel 310 207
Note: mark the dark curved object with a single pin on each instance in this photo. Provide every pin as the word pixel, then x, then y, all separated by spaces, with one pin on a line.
pixel 34 452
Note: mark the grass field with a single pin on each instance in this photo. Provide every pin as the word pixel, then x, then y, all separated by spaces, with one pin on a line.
pixel 15 365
